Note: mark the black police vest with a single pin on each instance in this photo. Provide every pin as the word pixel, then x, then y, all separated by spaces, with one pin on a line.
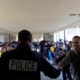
pixel 21 64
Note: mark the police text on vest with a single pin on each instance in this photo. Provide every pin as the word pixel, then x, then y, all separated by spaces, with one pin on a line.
pixel 22 65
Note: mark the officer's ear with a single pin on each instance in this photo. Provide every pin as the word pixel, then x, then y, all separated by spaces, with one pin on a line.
pixel 19 41
pixel 29 42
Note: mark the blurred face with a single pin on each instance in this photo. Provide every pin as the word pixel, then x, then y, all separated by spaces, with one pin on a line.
pixel 60 51
pixel 29 42
pixel 76 43
pixel 70 44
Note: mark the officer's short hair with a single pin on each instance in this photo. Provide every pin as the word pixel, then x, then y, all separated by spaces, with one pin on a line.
pixel 24 35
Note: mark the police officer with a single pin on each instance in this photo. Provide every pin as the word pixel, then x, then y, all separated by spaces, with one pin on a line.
pixel 23 64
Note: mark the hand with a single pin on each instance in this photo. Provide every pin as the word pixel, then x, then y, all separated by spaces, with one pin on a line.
pixel 60 66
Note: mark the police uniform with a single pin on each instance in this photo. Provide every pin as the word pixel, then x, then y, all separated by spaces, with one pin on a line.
pixel 23 64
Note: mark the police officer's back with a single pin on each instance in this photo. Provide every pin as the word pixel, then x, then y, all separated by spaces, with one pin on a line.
pixel 23 63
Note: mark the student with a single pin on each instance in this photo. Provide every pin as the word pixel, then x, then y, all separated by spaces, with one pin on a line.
pixel 66 70
pixel 73 57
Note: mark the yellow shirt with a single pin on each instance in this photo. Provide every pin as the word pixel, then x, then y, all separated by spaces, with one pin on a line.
pixel 52 49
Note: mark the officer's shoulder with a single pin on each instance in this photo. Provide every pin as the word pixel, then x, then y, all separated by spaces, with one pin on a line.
pixel 36 54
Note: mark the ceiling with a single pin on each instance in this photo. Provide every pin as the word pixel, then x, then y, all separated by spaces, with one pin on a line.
pixel 38 15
